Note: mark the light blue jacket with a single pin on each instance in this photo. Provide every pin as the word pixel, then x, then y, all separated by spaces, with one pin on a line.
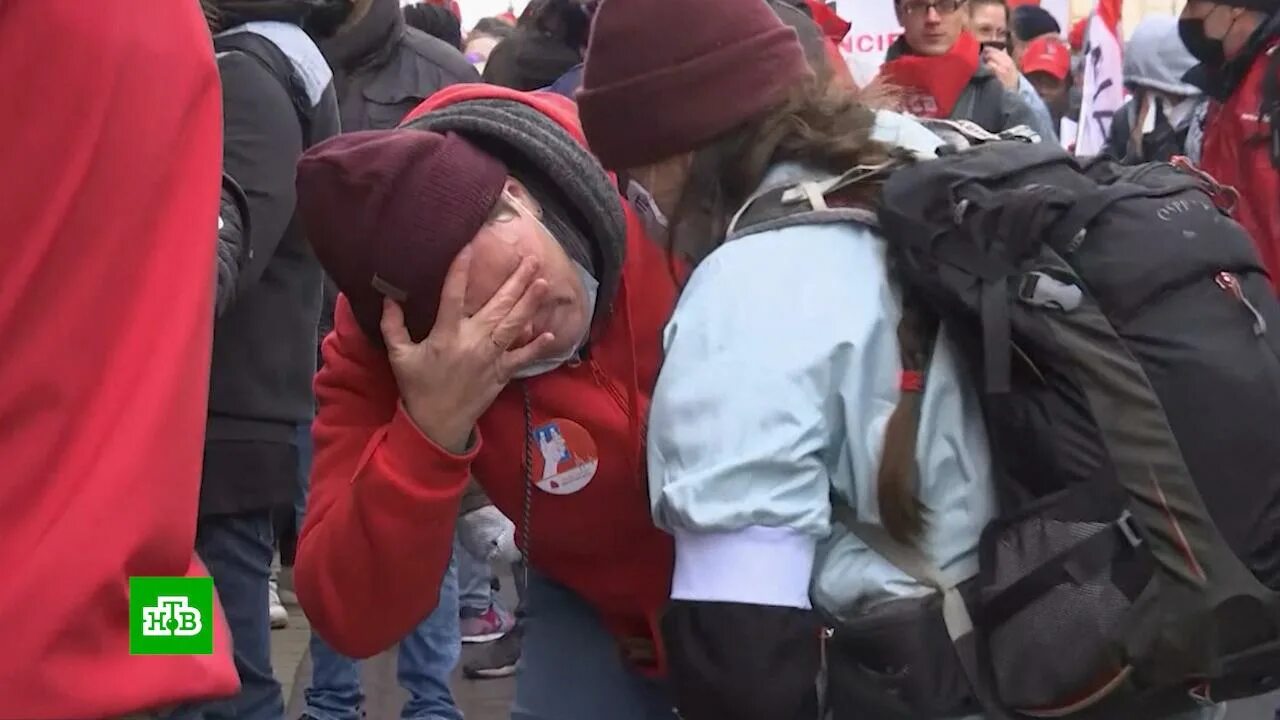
pixel 781 371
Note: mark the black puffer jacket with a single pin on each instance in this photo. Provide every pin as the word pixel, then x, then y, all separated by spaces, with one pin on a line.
pixel 233 241
pixel 262 366
pixel 383 68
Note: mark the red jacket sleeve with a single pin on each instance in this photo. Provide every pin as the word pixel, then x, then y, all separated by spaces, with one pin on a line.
pixel 378 534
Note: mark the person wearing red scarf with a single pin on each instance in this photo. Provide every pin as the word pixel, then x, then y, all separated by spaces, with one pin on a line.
pixel 936 62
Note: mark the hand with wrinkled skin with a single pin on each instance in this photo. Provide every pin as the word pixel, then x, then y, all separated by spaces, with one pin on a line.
pixel 999 62
pixel 448 380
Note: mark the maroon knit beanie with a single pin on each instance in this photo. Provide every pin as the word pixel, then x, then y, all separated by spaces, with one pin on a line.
pixel 663 77
pixel 387 211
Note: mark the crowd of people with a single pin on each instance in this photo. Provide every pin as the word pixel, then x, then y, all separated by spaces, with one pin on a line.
pixel 534 296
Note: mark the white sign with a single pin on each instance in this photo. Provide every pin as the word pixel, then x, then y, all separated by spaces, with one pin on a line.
pixel 1102 93
pixel 1061 11
pixel 475 10
pixel 875 27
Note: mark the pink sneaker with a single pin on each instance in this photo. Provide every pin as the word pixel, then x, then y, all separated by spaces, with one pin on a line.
pixel 487 626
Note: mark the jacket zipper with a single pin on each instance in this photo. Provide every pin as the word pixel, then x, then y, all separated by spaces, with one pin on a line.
pixel 1229 282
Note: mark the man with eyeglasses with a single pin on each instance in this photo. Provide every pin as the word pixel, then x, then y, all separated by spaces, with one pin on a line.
pixel 939 65
pixel 989 23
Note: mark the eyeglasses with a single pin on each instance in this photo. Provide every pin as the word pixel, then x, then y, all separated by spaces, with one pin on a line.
pixel 944 7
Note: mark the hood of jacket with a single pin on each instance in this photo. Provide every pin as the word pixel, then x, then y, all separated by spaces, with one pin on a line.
pixel 370 41
pixel 529 59
pixel 539 137
pixel 1156 59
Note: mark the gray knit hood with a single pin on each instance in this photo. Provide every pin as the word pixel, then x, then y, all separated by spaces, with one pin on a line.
pixel 1156 59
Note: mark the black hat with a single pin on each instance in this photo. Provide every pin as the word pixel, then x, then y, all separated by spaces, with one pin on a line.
pixel 1032 21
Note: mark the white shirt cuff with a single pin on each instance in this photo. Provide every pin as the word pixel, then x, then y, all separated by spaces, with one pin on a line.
pixel 756 565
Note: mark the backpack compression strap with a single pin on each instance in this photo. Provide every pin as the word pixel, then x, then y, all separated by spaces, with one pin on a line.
pixel 911 560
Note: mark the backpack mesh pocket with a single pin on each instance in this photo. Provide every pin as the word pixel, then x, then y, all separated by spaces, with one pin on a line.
pixel 1059 648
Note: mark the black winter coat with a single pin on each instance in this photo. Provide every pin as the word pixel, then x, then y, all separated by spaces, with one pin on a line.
pixel 383 68
pixel 265 334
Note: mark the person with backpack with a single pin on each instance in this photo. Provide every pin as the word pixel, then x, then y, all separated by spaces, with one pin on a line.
pixel 437 372
pixel 938 65
pixel 766 405
pixel 1237 44
pixel 1153 126
pixel 278 100
pixel 106 305
pixel 893 435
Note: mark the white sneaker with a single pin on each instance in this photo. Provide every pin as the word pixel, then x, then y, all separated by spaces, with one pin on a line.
pixel 276 610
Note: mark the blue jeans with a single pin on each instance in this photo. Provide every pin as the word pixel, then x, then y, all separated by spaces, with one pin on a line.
pixel 427 658
pixel 427 655
pixel 572 669
pixel 475 580
pixel 237 549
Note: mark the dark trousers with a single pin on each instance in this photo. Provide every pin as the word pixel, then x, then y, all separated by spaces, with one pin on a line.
pixel 237 549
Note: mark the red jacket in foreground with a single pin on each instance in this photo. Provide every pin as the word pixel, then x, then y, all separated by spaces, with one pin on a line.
pixel 1237 151
pixel 384 498
pixel 109 207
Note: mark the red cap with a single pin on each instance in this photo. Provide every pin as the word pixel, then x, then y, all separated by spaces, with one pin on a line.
pixel 1076 37
pixel 1048 54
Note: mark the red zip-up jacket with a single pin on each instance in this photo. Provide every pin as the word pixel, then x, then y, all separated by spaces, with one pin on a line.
pixel 109 208
pixel 1237 152
pixel 384 498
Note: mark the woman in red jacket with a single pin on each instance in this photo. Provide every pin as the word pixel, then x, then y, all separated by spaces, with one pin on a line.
pixel 500 319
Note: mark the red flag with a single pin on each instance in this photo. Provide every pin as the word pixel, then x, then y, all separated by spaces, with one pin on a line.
pixel 833 26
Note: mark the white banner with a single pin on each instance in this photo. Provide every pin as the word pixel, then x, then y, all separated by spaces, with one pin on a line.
pixel 1103 89
pixel 875 27
pixel 1061 11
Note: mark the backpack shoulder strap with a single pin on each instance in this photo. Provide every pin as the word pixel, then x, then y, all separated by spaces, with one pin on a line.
pixel 912 561
pixel 808 201
pixel 271 57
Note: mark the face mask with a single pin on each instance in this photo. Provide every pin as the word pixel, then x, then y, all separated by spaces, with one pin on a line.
pixel 589 284
pixel 592 287
pixel 655 223
pixel 1204 48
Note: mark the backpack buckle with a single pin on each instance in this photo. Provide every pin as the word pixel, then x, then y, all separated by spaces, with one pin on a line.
pixel 1043 290
pixel 1125 524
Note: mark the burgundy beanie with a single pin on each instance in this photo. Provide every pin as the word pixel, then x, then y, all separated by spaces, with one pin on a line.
pixel 663 77
pixel 387 211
